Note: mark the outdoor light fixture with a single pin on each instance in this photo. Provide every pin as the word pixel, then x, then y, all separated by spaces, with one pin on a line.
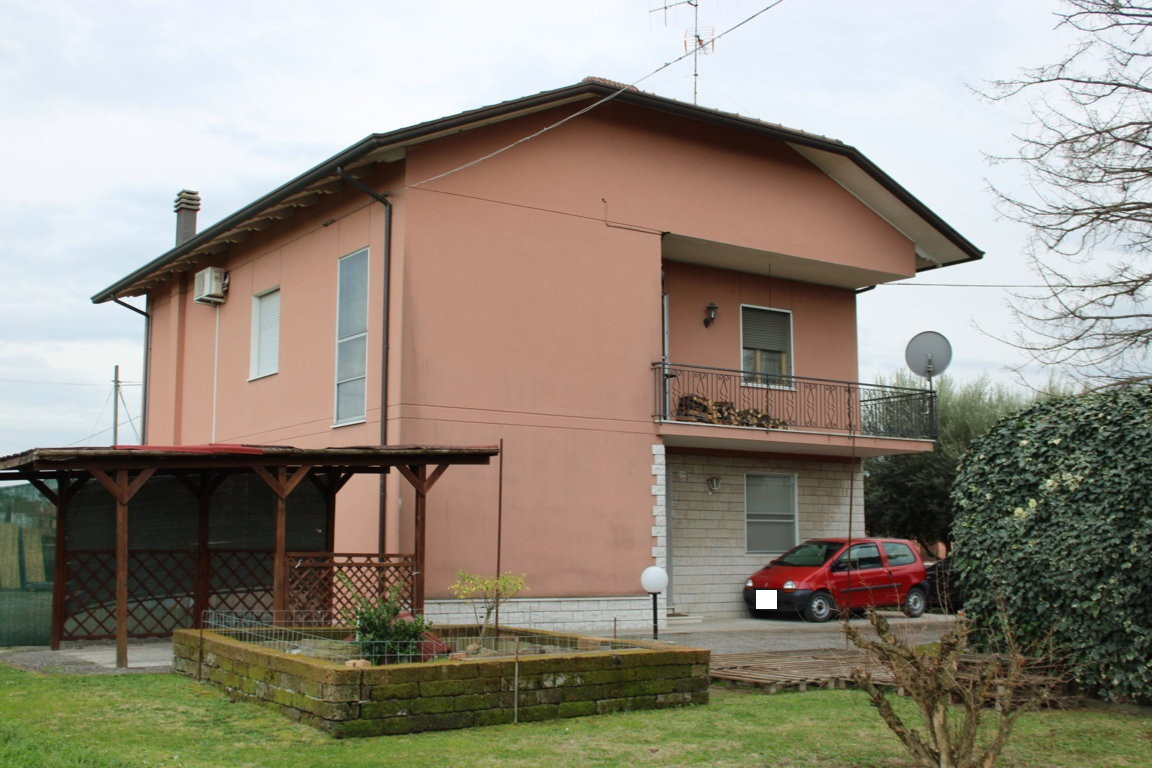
pixel 714 483
pixel 654 580
pixel 710 314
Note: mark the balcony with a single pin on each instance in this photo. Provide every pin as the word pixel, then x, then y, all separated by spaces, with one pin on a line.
pixel 723 397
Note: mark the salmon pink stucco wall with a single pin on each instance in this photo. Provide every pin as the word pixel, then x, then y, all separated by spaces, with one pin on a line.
pixel 634 168
pixel 200 388
pixel 535 328
pixel 823 320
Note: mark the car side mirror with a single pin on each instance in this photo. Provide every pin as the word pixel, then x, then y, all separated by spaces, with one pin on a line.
pixel 839 565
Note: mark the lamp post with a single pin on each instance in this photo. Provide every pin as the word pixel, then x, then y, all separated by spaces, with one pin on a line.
pixel 654 580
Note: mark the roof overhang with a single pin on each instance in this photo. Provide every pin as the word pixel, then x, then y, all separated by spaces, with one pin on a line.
pixel 937 243
pixel 42 462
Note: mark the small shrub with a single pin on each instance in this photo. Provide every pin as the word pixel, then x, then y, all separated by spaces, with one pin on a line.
pixel 486 594
pixel 954 693
pixel 385 631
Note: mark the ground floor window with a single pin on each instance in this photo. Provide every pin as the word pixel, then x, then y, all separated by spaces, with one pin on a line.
pixel 770 512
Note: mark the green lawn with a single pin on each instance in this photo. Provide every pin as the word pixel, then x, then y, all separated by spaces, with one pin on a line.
pixel 161 720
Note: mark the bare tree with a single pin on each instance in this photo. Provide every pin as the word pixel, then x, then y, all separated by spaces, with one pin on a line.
pixel 965 704
pixel 1089 159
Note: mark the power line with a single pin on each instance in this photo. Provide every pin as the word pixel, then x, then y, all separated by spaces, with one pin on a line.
pixel 65 383
pixel 959 285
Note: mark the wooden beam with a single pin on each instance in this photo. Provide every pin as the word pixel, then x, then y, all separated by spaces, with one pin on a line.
pixel 281 483
pixel 418 477
pixel 121 488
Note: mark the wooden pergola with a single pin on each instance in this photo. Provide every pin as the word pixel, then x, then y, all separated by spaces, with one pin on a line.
pixel 123 471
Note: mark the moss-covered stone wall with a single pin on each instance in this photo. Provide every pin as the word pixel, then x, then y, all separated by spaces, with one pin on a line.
pixel 406 698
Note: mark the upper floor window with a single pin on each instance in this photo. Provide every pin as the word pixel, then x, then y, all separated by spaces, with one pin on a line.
pixel 766 336
pixel 264 354
pixel 770 512
pixel 352 337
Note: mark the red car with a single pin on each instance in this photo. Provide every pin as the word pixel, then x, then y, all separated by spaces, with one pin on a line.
pixel 823 576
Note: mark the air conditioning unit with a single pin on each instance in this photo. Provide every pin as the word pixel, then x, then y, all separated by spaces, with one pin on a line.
pixel 210 286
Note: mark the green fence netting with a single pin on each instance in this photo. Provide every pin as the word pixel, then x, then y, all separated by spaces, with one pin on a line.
pixel 27 559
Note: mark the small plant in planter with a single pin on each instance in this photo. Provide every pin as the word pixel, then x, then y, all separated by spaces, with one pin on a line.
pixel 387 634
pixel 486 594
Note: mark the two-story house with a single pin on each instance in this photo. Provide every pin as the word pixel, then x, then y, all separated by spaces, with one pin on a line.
pixel 650 305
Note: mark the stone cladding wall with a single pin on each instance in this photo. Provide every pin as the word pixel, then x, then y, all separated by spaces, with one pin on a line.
pixel 709 559
pixel 441 695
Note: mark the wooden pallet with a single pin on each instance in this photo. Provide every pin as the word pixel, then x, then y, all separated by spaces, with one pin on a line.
pixel 772 671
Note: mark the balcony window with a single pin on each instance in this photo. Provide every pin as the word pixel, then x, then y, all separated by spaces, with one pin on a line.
pixel 766 336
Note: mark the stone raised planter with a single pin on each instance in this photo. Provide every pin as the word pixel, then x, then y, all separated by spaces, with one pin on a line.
pixel 583 679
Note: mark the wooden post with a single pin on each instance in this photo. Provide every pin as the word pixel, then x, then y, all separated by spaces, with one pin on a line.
pixel 203 558
pixel 422 482
pixel 59 576
pixel 122 489
pixel 59 498
pixel 421 472
pixel 280 559
pixel 282 484
pixel 202 486
pixel 121 574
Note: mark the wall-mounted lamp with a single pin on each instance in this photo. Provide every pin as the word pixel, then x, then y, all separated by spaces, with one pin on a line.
pixel 714 483
pixel 710 315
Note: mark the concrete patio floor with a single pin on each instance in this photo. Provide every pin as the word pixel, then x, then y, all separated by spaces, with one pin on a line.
pixel 790 633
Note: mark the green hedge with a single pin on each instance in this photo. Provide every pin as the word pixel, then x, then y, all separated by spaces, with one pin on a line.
pixel 1054 524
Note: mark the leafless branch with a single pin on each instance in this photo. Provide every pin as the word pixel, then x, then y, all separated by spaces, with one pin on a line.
pixel 1088 158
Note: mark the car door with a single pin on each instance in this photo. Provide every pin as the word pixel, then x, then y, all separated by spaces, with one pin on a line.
pixel 904 568
pixel 858 576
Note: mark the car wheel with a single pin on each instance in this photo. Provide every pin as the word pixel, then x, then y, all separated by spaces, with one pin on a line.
pixel 820 608
pixel 914 603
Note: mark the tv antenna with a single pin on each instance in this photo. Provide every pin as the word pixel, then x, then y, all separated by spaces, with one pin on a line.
pixel 697 40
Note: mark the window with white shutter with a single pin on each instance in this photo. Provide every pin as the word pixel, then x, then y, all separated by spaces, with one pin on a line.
pixel 265 350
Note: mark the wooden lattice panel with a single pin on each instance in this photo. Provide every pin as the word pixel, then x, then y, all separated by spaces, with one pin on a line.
pixel 240 580
pixel 328 582
pixel 90 595
pixel 160 590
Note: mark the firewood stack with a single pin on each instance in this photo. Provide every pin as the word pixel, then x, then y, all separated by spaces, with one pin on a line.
pixel 702 409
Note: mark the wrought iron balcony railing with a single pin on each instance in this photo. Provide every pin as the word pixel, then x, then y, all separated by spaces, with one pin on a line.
pixel 690 393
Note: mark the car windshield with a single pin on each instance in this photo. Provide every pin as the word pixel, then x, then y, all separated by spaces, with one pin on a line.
pixel 810 553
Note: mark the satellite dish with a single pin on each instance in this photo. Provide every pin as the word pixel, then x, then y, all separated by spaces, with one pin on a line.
pixel 928 354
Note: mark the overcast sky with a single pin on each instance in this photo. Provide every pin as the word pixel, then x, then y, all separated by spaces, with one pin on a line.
pixel 108 109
